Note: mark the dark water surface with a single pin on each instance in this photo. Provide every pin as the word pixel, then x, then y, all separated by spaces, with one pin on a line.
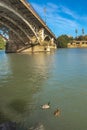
pixel 28 81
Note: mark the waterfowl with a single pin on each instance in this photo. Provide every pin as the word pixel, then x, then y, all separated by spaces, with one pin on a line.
pixel 46 106
pixel 57 112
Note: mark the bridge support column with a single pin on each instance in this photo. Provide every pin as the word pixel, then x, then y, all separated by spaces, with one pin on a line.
pixel 13 44
pixel 10 47
pixel 41 35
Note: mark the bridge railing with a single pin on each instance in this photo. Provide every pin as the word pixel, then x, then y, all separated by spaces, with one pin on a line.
pixel 31 7
pixel 38 16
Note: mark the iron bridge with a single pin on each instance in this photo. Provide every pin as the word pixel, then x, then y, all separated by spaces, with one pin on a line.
pixel 26 28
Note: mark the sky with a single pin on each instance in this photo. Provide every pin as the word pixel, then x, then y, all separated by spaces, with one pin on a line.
pixel 63 16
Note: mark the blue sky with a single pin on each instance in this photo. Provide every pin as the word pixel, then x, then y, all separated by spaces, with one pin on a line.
pixel 63 16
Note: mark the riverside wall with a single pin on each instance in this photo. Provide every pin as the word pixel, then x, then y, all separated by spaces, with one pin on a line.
pixel 77 44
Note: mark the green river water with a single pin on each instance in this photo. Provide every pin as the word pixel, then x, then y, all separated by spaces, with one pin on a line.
pixel 28 81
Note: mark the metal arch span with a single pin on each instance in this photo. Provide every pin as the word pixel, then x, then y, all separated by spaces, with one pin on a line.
pixel 18 15
pixel 22 20
pixel 40 21
pixel 1 22
pixel 13 22
pixel 15 25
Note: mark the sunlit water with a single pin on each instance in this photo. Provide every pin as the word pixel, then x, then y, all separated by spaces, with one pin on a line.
pixel 28 81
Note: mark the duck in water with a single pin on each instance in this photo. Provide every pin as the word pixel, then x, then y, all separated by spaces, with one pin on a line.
pixel 46 106
pixel 57 112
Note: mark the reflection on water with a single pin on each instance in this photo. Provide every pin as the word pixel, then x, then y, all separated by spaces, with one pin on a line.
pixel 29 81
pixel 4 67
pixel 18 105
pixel 21 77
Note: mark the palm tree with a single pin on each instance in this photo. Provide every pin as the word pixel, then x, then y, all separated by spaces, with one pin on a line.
pixel 83 31
pixel 76 31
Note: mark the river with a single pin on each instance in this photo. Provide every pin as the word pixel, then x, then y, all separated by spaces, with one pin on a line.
pixel 28 81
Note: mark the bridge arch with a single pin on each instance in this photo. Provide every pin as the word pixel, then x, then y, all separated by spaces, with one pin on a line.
pixel 4 7
pixel 13 22
pixel 24 24
pixel 3 23
pixel 47 38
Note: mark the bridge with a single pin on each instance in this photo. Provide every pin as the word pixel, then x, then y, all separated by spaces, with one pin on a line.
pixel 26 28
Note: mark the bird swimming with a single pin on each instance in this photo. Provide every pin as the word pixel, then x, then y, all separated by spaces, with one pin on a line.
pixel 46 106
pixel 57 112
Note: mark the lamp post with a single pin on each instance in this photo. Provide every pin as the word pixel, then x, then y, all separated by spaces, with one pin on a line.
pixel 83 31
pixel 45 14
pixel 76 31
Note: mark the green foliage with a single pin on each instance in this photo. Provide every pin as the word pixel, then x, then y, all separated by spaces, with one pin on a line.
pixel 63 40
pixel 81 38
pixel 2 43
pixel 82 31
pixel 85 37
pixel 4 31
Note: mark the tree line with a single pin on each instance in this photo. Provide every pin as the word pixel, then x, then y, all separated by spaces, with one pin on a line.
pixel 4 31
pixel 2 43
pixel 63 40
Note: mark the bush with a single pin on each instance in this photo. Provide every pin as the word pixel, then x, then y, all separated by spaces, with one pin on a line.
pixel 2 43
pixel 63 40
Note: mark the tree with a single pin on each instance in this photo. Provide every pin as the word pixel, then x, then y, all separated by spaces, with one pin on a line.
pixel 80 38
pixel 76 31
pixel 2 43
pixel 83 31
pixel 63 40
pixel 85 37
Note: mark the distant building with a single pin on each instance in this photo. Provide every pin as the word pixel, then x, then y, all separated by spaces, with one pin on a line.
pixel 77 44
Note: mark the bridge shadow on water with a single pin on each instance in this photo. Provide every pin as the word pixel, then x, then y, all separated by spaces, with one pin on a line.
pixel 24 77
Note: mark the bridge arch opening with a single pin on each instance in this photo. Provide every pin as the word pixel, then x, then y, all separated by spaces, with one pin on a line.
pixel 4 31
pixel 47 38
pixel 13 40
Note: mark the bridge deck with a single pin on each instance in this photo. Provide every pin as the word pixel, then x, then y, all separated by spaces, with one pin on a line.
pixel 21 19
pixel 27 11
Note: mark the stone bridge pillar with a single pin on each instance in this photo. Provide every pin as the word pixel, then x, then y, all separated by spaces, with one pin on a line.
pixel 13 44
pixel 41 35
pixel 52 41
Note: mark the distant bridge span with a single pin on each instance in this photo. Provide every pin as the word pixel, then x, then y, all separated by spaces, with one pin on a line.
pixel 26 28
